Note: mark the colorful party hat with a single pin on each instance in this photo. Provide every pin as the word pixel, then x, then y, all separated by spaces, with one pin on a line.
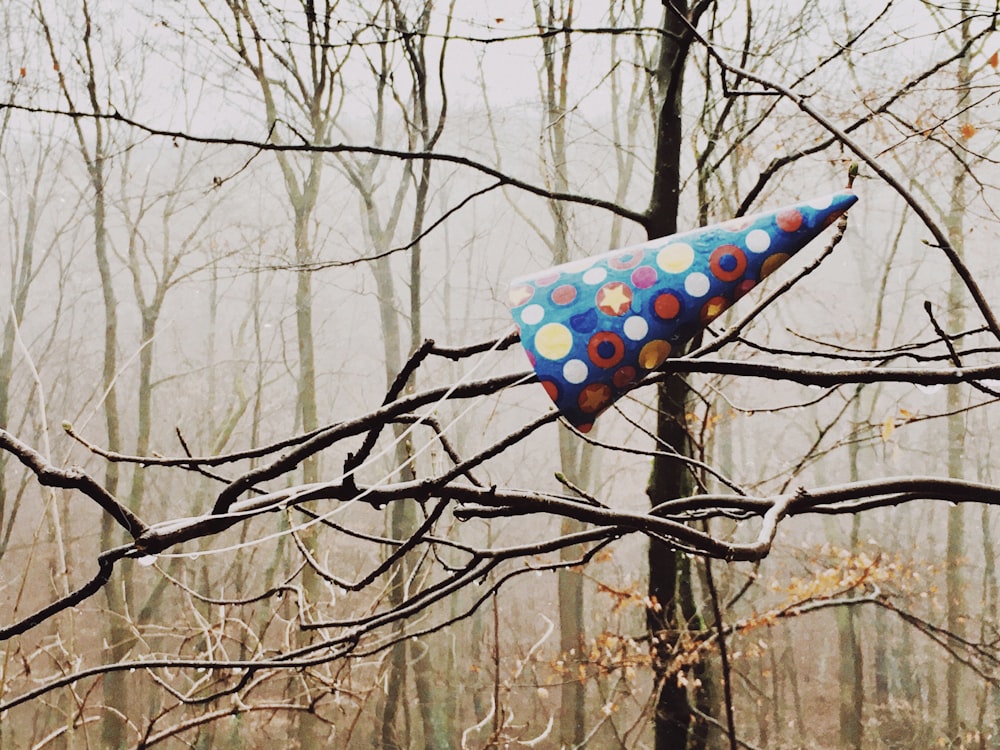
pixel 594 327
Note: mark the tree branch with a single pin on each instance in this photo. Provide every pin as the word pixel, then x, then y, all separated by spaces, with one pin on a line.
pixel 71 479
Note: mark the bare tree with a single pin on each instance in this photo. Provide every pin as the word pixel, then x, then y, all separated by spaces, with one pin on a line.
pixel 312 580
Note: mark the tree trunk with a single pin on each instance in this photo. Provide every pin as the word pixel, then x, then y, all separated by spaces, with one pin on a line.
pixel 851 676
pixel 669 478
pixel 851 664
pixel 989 610
pixel 22 273
pixel 955 545
pixel 575 457
pixel 401 518
pixel 114 729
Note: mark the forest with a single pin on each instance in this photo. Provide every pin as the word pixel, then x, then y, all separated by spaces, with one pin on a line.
pixel 274 464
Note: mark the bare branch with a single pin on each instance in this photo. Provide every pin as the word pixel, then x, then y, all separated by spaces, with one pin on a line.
pixel 72 479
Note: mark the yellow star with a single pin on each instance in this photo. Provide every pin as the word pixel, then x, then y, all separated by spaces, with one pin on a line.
pixel 714 308
pixel 518 295
pixel 614 299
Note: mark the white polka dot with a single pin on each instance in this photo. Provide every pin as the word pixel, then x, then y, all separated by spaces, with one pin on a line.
pixel 821 203
pixel 758 241
pixel 635 328
pixel 697 284
pixel 532 314
pixel 575 371
pixel 594 276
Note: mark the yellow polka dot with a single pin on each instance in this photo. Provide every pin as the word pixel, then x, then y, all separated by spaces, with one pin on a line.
pixel 553 341
pixel 653 354
pixel 675 258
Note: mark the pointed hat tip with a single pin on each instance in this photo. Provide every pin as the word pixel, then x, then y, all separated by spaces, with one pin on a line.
pixel 835 204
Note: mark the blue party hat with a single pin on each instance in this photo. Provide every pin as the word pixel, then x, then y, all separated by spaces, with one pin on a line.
pixel 594 327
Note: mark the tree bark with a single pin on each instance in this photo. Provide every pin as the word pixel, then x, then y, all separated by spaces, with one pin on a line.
pixel 574 456
pixel 114 728
pixel 669 478
pixel 851 659
pixel 955 579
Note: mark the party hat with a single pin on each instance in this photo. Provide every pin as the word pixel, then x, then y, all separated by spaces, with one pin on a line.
pixel 594 327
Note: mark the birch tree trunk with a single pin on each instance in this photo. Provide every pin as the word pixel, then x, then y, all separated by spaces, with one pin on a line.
pixel 93 149
pixel 955 579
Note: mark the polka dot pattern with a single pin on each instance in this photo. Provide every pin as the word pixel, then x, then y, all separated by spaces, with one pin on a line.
pixel 553 341
pixel 727 262
pixel 622 260
pixel 675 258
pixel 667 306
pixel 713 309
pixel 653 353
pixel 605 349
pixel 575 371
pixel 614 298
pixel 643 277
pixel 635 328
pixel 697 284
pixel 594 397
pixel 532 315
pixel 563 295
pixel 594 328
pixel 758 241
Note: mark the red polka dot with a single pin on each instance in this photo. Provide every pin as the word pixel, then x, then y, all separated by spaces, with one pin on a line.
pixel 666 306
pixel 623 377
pixel 563 295
pixel 713 309
pixel 594 397
pixel 551 388
pixel 605 349
pixel 789 220
pixel 743 287
pixel 727 263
